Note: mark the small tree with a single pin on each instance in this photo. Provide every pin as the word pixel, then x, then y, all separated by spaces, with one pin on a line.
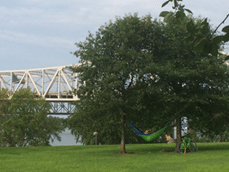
pixel 4 116
pixel 26 121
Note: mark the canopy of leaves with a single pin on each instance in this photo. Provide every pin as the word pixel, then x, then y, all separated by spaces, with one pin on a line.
pixel 150 71
pixel 205 41
pixel 112 66
pixel 24 121
pixel 199 80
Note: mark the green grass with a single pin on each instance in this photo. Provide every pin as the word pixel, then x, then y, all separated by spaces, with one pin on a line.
pixel 210 157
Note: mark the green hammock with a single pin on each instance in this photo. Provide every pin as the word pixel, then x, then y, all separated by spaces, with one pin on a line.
pixel 148 137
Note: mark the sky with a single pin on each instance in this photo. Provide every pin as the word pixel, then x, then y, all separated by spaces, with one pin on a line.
pixel 42 33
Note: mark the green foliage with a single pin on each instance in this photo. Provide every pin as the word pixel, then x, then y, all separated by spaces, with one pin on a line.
pixel 24 120
pixel 200 84
pixel 213 129
pixel 206 39
pixel 110 78
pixel 165 3
pixel 158 70
pixel 226 29
pixel 205 136
pixel 179 13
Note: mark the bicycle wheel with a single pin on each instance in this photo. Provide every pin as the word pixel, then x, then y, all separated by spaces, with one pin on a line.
pixel 193 147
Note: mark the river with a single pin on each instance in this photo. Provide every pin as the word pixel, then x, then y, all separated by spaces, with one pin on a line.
pixel 67 139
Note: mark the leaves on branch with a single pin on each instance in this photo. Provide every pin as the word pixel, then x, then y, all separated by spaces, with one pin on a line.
pixel 168 17
pixel 226 37
pixel 175 3
pixel 189 11
pixel 226 29
pixel 191 27
pixel 226 58
pixel 200 45
pixel 165 3
pixel 218 39
pixel 214 49
pixel 180 14
pixel 164 13
pixel 205 27
pixel 26 122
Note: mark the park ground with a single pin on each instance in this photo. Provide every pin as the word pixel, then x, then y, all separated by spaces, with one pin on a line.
pixel 99 158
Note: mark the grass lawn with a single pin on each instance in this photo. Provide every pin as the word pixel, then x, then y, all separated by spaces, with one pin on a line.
pixel 90 158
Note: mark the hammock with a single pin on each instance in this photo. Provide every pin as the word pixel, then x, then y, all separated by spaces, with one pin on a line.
pixel 148 137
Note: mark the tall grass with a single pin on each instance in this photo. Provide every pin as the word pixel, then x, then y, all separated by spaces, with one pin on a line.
pixel 91 158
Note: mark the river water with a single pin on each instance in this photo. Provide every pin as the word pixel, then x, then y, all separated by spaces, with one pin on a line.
pixel 67 139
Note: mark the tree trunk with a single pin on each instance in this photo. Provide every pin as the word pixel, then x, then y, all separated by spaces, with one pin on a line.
pixel 188 127
pixel 178 133
pixel 122 146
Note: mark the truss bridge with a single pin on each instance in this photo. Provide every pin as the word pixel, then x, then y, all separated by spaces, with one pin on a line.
pixel 54 84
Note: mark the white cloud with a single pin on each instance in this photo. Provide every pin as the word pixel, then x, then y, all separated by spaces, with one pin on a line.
pixel 61 23
pixel 20 16
pixel 40 12
pixel 34 39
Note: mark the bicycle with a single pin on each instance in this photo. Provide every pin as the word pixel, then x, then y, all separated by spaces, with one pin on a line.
pixel 188 144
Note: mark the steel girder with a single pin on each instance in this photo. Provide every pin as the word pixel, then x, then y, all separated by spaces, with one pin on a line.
pixel 62 108
pixel 53 84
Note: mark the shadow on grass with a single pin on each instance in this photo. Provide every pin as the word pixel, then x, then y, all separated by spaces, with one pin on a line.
pixel 170 148
pixel 131 149
pixel 19 150
pixel 213 146
pixel 12 150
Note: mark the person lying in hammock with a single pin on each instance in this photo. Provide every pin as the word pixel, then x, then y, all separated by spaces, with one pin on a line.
pixel 170 139
pixel 149 131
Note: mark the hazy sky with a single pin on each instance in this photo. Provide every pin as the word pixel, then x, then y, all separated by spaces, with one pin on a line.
pixel 42 33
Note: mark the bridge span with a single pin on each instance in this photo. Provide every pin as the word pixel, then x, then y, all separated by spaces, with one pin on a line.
pixel 54 84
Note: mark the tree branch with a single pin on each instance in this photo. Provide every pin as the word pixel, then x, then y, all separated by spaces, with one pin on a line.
pixel 220 24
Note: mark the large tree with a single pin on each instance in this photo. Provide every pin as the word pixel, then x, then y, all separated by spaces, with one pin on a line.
pixel 140 66
pixel 111 68
pixel 192 73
